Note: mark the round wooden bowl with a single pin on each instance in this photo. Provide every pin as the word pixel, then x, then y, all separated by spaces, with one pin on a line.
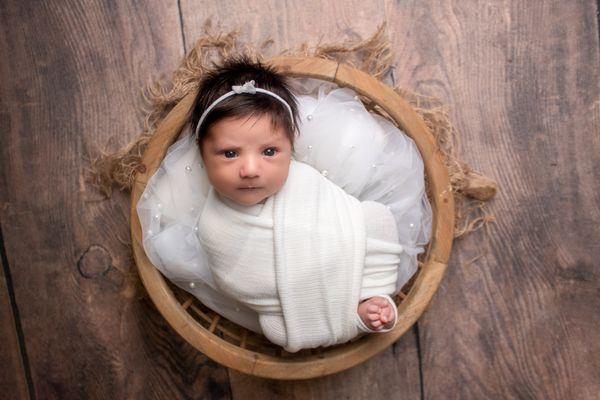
pixel 248 352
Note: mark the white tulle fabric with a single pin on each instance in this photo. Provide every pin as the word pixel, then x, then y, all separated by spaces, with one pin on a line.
pixel 364 154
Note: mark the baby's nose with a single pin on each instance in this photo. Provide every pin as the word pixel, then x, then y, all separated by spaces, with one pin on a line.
pixel 249 168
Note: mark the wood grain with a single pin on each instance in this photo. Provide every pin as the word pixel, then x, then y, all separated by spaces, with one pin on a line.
pixel 281 27
pixel 13 377
pixel 376 378
pixel 522 78
pixel 73 78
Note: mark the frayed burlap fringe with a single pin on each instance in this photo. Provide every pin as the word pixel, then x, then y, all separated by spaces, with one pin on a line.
pixel 471 189
pixel 373 55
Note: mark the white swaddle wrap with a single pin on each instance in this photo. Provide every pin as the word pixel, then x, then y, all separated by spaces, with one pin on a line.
pixel 314 240
pixel 365 155
pixel 319 257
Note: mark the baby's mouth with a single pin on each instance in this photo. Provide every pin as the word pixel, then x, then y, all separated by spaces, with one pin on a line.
pixel 250 188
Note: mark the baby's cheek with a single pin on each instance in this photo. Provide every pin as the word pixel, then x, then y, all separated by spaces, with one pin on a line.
pixel 277 187
pixel 221 184
pixel 217 177
pixel 284 171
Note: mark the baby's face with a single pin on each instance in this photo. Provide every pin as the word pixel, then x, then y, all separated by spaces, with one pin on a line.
pixel 246 159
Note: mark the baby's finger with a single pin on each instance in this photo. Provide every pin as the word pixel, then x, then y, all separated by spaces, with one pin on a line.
pixel 376 323
pixel 373 317
pixel 383 303
pixel 373 308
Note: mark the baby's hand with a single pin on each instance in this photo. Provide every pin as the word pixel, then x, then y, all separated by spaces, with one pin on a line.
pixel 376 313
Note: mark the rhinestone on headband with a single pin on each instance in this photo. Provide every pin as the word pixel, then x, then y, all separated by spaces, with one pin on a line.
pixel 247 88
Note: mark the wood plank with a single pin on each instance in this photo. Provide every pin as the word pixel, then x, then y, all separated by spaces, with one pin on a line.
pixel 283 27
pixel 71 77
pixel 13 378
pixel 289 26
pixel 377 378
pixel 522 78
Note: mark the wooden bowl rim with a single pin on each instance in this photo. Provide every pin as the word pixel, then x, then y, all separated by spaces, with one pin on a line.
pixel 340 357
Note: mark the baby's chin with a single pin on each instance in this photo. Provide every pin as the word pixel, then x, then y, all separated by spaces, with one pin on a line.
pixel 251 203
pixel 245 200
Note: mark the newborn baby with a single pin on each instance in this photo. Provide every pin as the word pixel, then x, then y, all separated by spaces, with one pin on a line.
pixel 236 227
pixel 252 236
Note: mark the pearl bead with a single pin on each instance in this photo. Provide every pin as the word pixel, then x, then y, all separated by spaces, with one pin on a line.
pixel 411 225
pixel 195 229
pixel 356 98
pixel 192 209
pixel 192 285
pixel 374 166
pixel 188 168
pixel 309 117
pixel 324 172
pixel 157 217
pixel 352 146
pixel 150 232
pixel 159 205
pixel 309 147
pixel 146 195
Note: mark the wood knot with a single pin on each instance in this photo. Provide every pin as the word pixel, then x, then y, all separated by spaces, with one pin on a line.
pixel 95 261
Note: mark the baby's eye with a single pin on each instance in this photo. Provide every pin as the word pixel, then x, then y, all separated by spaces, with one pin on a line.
pixel 229 153
pixel 270 152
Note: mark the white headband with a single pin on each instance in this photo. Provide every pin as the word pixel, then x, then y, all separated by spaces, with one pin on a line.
pixel 247 87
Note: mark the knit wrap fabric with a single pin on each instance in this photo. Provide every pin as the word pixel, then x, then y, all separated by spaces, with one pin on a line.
pixel 319 257
pixel 317 251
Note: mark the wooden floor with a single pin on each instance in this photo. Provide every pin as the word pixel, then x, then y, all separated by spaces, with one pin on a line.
pixel 522 77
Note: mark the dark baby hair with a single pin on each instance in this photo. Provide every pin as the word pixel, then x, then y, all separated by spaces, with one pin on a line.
pixel 237 71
